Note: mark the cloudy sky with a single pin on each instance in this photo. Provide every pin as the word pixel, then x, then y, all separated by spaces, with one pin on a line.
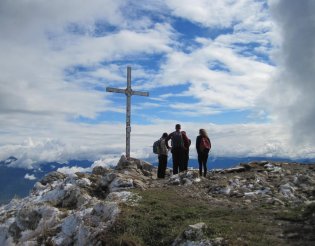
pixel 242 69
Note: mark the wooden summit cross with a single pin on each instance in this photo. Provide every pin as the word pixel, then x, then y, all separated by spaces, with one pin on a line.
pixel 128 92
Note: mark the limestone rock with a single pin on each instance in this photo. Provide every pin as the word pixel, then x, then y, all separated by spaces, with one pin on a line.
pixel 78 209
pixel 143 165
pixel 146 173
pixel 195 232
pixel 105 211
pixel 235 169
pixel 123 197
pixel 51 177
pixel 107 179
pixel 174 180
pixel 83 182
pixel 139 184
pixel 98 170
pixel 121 183
pixel 75 209
pixel 73 198
pixel 27 218
pixel 184 178
pixel 193 235
pixel 124 163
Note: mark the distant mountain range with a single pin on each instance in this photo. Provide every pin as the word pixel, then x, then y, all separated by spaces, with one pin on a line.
pixel 226 162
pixel 19 181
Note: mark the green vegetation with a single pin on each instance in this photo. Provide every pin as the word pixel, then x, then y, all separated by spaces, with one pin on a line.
pixel 164 213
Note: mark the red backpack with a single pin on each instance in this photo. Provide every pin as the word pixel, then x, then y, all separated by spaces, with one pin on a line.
pixel 205 144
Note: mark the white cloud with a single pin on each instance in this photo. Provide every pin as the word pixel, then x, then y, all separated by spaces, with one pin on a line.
pixel 106 143
pixel 64 141
pixel 292 91
pixel 37 99
pixel 28 18
pixel 109 161
pixel 43 92
pixel 218 13
pixel 236 88
pixel 72 170
pixel 245 75
pixel 89 50
pixel 30 176
pixel 39 33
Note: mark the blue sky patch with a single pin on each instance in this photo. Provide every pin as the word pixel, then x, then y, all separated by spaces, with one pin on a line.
pixel 218 66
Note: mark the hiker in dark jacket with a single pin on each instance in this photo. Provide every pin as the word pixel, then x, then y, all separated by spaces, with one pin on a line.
pixel 163 152
pixel 203 146
pixel 187 144
pixel 177 148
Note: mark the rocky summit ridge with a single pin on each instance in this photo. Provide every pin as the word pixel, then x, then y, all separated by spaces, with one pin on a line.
pixel 82 208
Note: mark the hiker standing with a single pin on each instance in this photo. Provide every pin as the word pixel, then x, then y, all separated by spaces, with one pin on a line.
pixel 177 148
pixel 203 146
pixel 187 143
pixel 163 152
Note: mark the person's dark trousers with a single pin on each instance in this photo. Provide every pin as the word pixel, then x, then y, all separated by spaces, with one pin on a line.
pixel 178 164
pixel 185 160
pixel 162 166
pixel 202 160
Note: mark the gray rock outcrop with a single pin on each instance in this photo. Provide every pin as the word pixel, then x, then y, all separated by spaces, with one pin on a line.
pixel 79 209
pixel 73 209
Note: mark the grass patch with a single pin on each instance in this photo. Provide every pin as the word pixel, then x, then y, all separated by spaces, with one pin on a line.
pixel 295 214
pixel 164 213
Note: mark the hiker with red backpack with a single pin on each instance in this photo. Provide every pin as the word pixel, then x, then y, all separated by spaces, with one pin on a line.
pixel 178 148
pixel 203 146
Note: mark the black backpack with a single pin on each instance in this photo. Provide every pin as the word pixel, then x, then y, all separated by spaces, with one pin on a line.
pixel 156 147
pixel 177 140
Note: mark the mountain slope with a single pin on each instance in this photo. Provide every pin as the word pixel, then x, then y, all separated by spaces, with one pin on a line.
pixel 258 203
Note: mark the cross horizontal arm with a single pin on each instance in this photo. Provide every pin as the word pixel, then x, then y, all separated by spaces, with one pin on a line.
pixel 140 93
pixel 110 89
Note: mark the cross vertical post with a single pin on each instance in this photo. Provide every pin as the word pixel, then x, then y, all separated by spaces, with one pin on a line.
pixel 128 112
pixel 128 92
